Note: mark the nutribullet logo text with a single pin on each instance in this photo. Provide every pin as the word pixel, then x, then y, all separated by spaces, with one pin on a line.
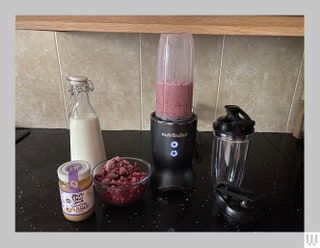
pixel 174 135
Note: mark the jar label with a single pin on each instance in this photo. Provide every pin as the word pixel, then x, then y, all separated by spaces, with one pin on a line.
pixel 73 170
pixel 77 203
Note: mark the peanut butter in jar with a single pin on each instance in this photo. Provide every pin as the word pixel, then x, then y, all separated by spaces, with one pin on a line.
pixel 76 190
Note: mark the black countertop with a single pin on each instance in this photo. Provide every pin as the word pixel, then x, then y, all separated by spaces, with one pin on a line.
pixel 274 170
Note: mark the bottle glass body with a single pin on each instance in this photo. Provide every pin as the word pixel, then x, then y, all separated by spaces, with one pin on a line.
pixel 86 141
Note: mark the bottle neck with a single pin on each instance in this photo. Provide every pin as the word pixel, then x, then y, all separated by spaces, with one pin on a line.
pixel 81 106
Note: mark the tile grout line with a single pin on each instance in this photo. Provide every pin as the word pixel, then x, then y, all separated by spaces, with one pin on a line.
pixel 61 79
pixel 219 81
pixel 140 83
pixel 294 93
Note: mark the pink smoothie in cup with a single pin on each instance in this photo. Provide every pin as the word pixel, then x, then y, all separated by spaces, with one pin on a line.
pixel 174 100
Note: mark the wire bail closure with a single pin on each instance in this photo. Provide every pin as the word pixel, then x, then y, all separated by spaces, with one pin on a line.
pixel 75 91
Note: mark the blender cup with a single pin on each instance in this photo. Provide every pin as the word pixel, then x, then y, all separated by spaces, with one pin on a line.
pixel 174 77
pixel 232 135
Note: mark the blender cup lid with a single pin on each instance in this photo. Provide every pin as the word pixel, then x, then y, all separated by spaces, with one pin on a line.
pixel 235 123
pixel 237 204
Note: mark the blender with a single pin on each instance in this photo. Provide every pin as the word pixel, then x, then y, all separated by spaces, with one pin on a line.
pixel 173 124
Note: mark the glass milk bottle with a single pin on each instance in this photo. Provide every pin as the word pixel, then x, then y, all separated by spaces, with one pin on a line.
pixel 86 141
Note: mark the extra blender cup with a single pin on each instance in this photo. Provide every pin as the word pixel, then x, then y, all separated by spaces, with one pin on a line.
pixel 232 135
pixel 173 124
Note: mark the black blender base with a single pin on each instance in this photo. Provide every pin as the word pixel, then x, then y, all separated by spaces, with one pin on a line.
pixel 173 145
pixel 171 180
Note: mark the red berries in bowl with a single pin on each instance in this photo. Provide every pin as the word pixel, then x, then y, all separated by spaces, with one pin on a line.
pixel 121 181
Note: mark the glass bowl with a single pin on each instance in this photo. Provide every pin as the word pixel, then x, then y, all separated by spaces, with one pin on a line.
pixel 121 181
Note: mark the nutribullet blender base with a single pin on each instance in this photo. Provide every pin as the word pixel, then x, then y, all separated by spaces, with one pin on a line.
pixel 173 145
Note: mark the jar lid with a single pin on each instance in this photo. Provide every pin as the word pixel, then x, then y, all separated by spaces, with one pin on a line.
pixel 78 80
pixel 82 167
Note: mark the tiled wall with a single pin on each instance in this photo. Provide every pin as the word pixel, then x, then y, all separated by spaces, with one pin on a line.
pixel 263 75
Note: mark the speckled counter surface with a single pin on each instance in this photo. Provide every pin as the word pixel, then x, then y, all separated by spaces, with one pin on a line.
pixel 274 169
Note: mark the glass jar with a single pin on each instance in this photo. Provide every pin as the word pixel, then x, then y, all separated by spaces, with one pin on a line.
pixel 76 190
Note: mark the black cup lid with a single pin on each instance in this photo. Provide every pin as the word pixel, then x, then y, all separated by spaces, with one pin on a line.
pixel 235 123
pixel 237 204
